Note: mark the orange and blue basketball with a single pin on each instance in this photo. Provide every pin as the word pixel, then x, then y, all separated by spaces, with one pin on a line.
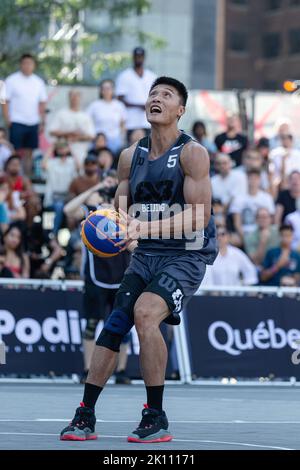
pixel 97 232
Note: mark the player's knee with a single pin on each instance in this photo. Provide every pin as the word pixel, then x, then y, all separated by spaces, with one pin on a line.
pixel 116 327
pixel 144 318
pixel 89 332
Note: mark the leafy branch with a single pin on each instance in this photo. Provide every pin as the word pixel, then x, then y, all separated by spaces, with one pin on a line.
pixel 54 30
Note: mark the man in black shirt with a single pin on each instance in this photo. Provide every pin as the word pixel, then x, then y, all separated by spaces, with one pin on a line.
pixel 232 142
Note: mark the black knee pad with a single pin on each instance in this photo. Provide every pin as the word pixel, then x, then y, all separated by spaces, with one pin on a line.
pixel 121 319
pixel 109 340
pixel 115 328
pixel 89 332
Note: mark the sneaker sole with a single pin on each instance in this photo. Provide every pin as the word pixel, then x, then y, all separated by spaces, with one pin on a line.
pixel 167 438
pixel 73 437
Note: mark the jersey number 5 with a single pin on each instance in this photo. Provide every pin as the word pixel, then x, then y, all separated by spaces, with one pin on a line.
pixel 172 161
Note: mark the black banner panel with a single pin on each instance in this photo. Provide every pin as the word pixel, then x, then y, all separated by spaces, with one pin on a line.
pixel 246 337
pixel 42 332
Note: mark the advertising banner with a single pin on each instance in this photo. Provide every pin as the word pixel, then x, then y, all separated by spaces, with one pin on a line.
pixel 42 332
pixel 243 336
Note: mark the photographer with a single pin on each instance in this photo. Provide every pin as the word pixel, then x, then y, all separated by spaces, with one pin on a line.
pixel 102 276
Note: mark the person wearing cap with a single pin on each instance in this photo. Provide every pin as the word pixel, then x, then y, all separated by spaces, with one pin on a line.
pixel 132 88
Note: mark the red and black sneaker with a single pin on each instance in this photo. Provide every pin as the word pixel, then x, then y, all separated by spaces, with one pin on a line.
pixel 82 426
pixel 152 428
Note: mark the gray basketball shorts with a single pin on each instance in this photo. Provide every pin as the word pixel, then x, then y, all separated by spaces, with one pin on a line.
pixel 174 278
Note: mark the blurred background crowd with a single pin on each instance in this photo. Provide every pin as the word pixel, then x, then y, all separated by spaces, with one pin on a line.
pixel 47 163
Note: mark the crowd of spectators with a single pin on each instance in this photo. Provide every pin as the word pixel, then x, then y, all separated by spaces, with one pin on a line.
pixel 255 186
pixel 256 190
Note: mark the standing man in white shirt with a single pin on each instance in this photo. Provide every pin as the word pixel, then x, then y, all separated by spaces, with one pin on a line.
pixel 75 126
pixel 132 88
pixel 24 109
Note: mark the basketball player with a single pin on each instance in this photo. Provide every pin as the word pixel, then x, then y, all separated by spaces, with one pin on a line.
pixel 167 168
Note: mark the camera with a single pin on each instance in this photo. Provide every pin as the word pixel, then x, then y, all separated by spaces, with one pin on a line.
pixel 108 193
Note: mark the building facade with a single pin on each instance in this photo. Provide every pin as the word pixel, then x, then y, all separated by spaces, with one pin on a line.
pixel 220 44
pixel 189 30
pixel 259 43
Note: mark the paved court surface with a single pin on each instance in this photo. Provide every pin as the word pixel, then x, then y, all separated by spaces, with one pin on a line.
pixel 31 417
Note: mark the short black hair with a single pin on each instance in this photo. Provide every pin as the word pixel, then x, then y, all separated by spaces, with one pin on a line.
pixel 179 86
pixel 263 143
pixel 216 202
pixel 198 124
pixel 27 56
pixel 14 156
pixel 285 227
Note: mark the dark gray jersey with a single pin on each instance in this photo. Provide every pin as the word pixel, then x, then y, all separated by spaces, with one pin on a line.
pixel 155 187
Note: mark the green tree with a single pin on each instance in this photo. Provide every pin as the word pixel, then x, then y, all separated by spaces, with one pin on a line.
pixel 55 30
